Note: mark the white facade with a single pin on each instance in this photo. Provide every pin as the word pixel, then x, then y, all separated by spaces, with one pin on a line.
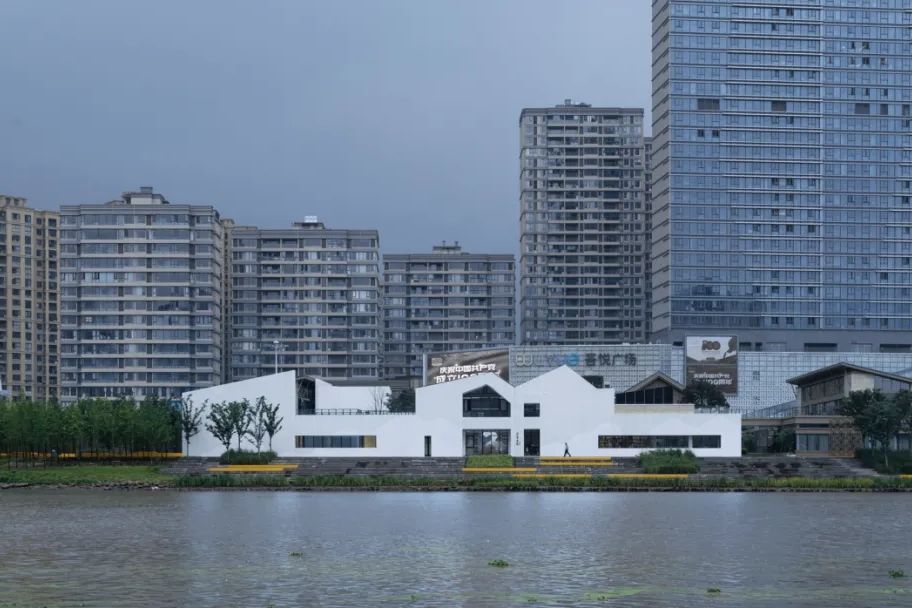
pixel 571 411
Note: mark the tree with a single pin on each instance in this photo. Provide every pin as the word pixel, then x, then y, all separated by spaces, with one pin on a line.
pixel 783 442
pixel 877 416
pixel 706 396
pixel 402 402
pixel 239 415
pixel 221 425
pixel 903 401
pixel 258 423
pixel 378 397
pixel 271 420
pixel 190 419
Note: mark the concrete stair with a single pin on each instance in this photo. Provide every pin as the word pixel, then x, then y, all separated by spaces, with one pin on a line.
pixel 189 466
pixel 400 467
pixel 777 466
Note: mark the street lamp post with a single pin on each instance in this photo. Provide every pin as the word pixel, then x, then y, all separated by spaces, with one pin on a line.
pixel 275 345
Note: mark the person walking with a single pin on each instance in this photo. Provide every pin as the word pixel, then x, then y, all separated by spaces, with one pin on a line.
pixel 566 450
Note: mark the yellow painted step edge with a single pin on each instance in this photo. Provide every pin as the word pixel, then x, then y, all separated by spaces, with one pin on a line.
pixel 575 464
pixel 550 475
pixel 498 469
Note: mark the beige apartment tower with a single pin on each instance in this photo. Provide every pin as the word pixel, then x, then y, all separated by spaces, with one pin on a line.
pixel 29 300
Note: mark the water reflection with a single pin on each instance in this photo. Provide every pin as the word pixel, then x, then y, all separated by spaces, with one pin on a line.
pixel 69 548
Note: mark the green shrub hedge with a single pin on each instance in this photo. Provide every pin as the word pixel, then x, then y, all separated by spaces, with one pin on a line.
pixel 669 461
pixel 245 457
pixel 900 462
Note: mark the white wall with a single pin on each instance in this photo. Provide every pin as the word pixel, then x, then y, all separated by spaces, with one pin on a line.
pixel 276 388
pixel 571 411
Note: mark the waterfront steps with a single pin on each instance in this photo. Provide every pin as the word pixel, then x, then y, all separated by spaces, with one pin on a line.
pixel 399 467
pixel 253 469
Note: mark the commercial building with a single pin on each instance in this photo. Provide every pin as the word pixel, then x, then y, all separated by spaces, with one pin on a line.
pixel 763 377
pixel 29 300
pixel 305 298
pixel 446 300
pixel 141 297
pixel 479 414
pixel 812 419
pixel 583 226
pixel 782 173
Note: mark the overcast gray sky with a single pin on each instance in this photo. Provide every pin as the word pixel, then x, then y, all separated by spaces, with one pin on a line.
pixel 396 115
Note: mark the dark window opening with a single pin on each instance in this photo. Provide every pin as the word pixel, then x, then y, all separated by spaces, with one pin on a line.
pixel 484 402
pixel 335 441
pixel 531 410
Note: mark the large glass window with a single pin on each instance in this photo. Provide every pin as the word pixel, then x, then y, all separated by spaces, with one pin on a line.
pixel 813 443
pixel 335 441
pixel 487 441
pixel 484 402
pixel 707 441
pixel 531 410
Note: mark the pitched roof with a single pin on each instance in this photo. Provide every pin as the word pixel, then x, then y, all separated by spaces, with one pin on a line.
pixel 650 379
pixel 844 366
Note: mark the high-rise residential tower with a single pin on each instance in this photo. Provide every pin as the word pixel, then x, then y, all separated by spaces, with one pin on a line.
pixel 443 301
pixel 782 162
pixel 305 298
pixel 141 297
pixel 29 300
pixel 582 225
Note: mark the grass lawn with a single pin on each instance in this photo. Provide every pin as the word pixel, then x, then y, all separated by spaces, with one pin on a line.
pixel 83 474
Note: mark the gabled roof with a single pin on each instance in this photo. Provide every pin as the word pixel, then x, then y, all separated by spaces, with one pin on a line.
pixel 562 371
pixel 844 366
pixel 491 379
pixel 654 377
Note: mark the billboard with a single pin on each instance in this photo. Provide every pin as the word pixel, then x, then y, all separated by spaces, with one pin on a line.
pixel 446 367
pixel 712 359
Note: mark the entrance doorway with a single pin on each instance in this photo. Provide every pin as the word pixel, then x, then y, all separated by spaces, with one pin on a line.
pixel 531 442
pixel 427 446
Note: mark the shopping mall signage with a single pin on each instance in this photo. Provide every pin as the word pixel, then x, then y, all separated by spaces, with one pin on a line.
pixel 446 367
pixel 550 361
pixel 712 359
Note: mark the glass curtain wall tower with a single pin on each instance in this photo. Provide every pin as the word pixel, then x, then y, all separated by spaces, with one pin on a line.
pixel 783 172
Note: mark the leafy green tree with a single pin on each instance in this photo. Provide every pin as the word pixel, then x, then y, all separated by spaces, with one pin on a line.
pixel 903 401
pixel 257 431
pixel 877 416
pixel 402 402
pixel 706 396
pixel 190 420
pixel 271 419
pixel 783 442
pixel 239 415
pixel 221 424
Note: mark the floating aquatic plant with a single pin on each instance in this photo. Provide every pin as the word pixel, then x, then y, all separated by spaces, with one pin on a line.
pixel 498 563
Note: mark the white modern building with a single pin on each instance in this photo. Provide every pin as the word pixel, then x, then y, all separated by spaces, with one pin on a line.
pixel 480 414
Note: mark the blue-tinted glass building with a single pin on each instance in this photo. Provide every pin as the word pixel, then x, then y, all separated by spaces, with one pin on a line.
pixel 782 172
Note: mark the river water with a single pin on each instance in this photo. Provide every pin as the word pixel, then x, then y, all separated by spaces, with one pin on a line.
pixel 259 549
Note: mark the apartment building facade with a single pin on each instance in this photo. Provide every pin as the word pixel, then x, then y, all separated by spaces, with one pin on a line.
pixel 444 301
pixel 141 297
pixel 29 300
pixel 583 240
pixel 305 298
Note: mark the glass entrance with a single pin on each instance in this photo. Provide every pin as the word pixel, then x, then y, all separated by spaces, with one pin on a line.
pixel 486 442
pixel 531 442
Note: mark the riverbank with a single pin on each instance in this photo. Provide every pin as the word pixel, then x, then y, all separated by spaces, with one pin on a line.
pixel 148 477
